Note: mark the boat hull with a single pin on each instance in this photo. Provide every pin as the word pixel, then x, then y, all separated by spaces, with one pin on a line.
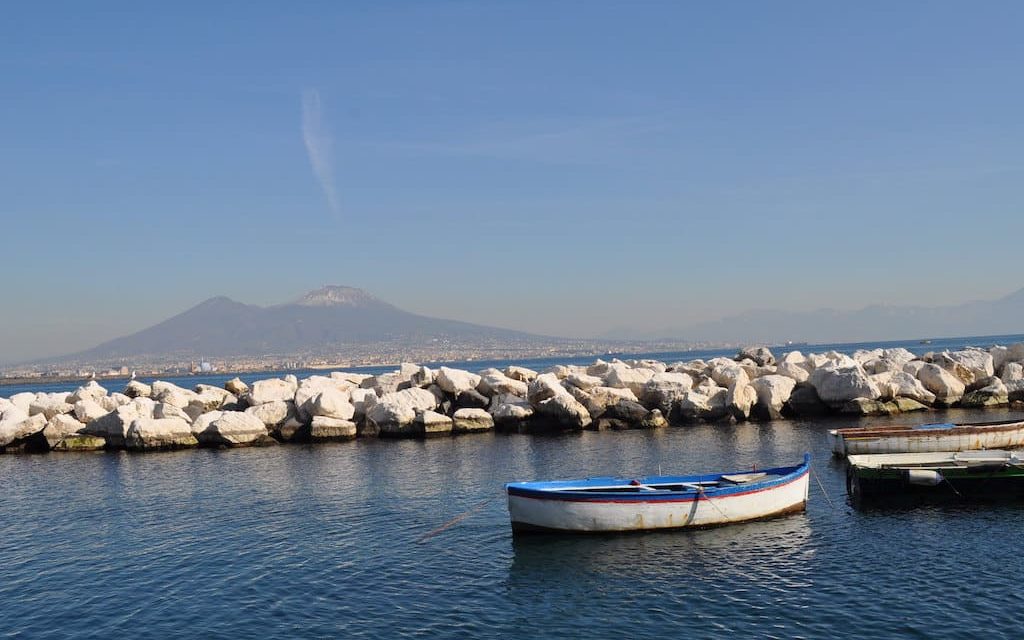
pixel 916 476
pixel 532 514
pixel 846 442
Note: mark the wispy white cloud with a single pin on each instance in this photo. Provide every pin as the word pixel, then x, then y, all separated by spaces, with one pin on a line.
pixel 319 146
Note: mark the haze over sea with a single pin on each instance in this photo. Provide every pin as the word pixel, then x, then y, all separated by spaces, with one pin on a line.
pixel 341 541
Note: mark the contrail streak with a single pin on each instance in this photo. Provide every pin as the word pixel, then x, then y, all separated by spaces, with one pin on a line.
pixel 318 146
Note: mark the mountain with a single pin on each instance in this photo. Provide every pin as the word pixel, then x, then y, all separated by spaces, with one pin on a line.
pixel 315 322
pixel 1003 316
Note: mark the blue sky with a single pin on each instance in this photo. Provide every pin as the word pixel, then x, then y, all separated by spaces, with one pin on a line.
pixel 549 166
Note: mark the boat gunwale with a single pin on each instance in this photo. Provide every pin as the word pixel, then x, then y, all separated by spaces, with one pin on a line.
pixel 785 475
pixel 896 431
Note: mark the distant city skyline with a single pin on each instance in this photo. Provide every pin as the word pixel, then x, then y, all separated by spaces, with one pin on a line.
pixel 560 169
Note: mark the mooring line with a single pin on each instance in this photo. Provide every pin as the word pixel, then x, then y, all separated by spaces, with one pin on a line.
pixel 821 486
pixel 454 521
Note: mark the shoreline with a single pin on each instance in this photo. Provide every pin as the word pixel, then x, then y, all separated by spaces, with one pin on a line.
pixel 415 401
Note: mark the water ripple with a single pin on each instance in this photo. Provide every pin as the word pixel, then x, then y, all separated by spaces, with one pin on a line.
pixel 323 542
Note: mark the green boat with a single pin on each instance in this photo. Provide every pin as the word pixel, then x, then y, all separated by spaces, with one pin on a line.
pixel 961 475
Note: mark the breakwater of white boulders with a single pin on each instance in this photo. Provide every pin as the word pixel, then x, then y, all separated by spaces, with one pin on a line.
pixel 416 401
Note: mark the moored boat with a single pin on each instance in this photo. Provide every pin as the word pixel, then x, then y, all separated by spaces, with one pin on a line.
pixel 657 502
pixel 928 438
pixel 949 474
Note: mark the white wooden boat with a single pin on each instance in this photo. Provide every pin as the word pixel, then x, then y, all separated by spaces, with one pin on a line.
pixel 658 502
pixel 926 438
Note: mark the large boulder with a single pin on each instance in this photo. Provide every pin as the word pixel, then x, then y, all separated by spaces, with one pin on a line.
pixel 455 381
pixel 362 400
pixel 793 365
pixel 511 413
pixel 900 384
pixel 773 392
pixel 172 394
pixel 327 429
pixel 430 424
pixel 584 381
pixel 947 387
pixel 151 434
pixel 269 390
pixel 1012 371
pixel 493 382
pixel 235 429
pixel 600 398
pixel 91 390
pixel 805 403
pixel 394 413
pixel 622 376
pixel 739 400
pixel 309 388
pixel 761 356
pixel 272 414
pixel 726 375
pixel 332 403
pixel 61 426
pixel 235 386
pixel 88 410
pixel 840 383
pixel 469 420
pixel 136 389
pixel 970 365
pixel 50 404
pixel 543 387
pixel 164 410
pixel 664 390
pixel 114 426
pixel 704 403
pixel 521 374
pixel 993 394
pixel 565 411
pixel 21 432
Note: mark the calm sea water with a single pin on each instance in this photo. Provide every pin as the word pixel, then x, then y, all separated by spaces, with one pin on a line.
pixel 328 541
pixel 334 541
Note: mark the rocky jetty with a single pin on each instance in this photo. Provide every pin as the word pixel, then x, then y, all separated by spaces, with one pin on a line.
pixel 416 402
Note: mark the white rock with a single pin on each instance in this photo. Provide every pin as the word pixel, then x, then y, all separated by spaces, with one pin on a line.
pixel 272 414
pixel 332 403
pixel 234 428
pixel 565 410
pixel 398 409
pixel 50 405
pixel 23 401
pixel 704 403
pixel 583 381
pixel 264 391
pixel 621 376
pixel 900 384
pixel 203 422
pixel 163 410
pixel 838 383
pixel 61 426
pixel 543 387
pixel 739 400
pixel 726 375
pixel 432 423
pixel 947 387
pixel 510 408
pixel 1012 371
pixel 494 382
pixel 362 400
pixel 235 386
pixel 969 365
pixel 664 390
pixel 325 428
pixel 19 426
pixel 455 381
pixel 773 393
pixel 466 420
pixel 146 434
pixel 136 389
pixel 91 390
pixel 521 374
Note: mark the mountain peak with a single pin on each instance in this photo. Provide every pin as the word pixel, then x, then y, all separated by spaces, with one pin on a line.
pixel 336 296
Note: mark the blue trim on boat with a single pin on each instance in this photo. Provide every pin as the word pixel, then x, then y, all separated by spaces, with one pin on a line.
pixel 589 489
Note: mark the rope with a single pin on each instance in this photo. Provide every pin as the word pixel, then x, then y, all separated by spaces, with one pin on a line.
pixel 454 521
pixel 822 487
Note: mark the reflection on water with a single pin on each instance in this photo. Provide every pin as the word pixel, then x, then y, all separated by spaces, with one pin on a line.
pixel 322 541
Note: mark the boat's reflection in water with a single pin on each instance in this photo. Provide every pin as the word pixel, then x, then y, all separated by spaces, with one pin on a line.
pixel 768 552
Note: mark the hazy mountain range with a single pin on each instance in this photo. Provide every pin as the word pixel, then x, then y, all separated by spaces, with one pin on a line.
pixel 1003 316
pixel 335 316
pixel 319 320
